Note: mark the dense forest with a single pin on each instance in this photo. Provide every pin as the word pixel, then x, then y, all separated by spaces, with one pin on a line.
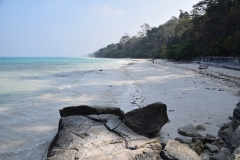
pixel 210 29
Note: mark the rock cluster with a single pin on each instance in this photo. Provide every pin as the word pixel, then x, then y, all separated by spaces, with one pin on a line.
pixel 106 133
pixel 225 147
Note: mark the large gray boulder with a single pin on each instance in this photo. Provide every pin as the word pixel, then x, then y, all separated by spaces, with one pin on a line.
pixel 147 120
pixel 88 110
pixel 189 130
pixel 100 137
pixel 174 150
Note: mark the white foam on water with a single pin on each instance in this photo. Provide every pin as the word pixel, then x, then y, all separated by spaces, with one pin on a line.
pixel 30 103
pixel 64 87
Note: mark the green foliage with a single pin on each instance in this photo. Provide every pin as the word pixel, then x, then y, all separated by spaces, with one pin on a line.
pixel 210 29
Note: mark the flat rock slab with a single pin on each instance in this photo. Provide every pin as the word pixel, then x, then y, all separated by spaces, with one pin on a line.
pixel 147 120
pixel 189 130
pixel 100 137
pixel 174 150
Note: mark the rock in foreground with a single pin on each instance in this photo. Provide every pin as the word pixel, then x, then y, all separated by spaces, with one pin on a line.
pixel 147 120
pixel 93 135
pixel 80 137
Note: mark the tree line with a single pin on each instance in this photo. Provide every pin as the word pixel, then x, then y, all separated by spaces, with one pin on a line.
pixel 210 29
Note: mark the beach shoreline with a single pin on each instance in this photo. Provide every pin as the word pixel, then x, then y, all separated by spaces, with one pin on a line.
pixel 193 96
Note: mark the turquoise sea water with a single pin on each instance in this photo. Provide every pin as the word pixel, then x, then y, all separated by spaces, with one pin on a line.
pixel 51 59
pixel 18 68
pixel 32 90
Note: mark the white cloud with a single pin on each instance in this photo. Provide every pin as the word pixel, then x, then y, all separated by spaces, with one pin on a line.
pixel 107 11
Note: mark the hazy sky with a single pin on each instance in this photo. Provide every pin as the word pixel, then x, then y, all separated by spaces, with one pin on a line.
pixel 76 27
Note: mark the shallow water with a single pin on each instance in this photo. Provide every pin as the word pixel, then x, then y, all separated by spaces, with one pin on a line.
pixel 32 90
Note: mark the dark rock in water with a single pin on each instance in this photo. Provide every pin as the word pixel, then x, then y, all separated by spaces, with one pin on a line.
pixel 212 148
pixel 189 130
pixel 236 117
pixel 174 150
pixel 235 138
pixel 100 137
pixel 87 110
pixel 236 154
pixel 147 120
pixel 184 140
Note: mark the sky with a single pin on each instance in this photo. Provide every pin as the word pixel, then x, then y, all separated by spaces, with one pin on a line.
pixel 72 28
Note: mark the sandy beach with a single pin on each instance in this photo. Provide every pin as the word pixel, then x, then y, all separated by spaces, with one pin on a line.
pixel 193 96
